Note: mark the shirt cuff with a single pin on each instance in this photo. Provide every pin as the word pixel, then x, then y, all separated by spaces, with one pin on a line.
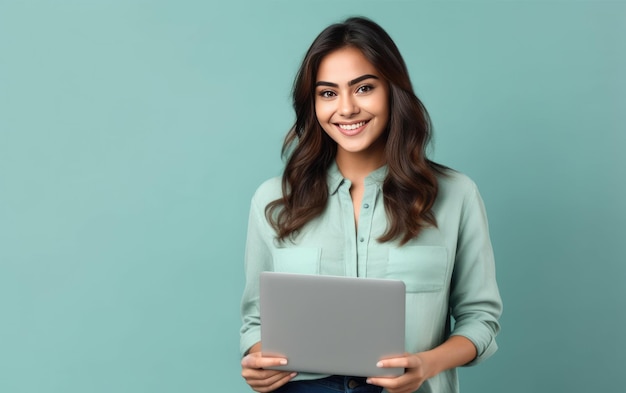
pixel 249 338
pixel 483 340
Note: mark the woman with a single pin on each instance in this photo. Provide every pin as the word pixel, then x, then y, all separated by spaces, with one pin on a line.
pixel 359 197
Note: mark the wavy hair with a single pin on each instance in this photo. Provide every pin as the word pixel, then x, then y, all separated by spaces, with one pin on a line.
pixel 410 188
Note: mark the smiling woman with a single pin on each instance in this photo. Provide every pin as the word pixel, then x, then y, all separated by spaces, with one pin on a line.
pixel 360 198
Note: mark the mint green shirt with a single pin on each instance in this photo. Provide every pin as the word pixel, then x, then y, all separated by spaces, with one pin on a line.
pixel 449 270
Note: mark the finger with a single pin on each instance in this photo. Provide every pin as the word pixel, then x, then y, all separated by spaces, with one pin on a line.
pixel 386 382
pixel 391 385
pixel 258 374
pixel 257 361
pixel 267 379
pixel 405 383
pixel 273 383
pixel 401 362
pixel 281 381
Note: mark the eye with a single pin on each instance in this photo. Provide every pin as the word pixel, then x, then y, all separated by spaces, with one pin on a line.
pixel 365 89
pixel 326 94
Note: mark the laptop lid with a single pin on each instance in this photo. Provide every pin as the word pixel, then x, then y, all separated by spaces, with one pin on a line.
pixel 332 325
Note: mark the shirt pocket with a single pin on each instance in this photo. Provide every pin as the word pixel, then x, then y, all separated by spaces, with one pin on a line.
pixel 422 268
pixel 302 260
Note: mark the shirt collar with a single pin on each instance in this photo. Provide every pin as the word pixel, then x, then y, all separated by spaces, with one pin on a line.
pixel 378 176
pixel 335 179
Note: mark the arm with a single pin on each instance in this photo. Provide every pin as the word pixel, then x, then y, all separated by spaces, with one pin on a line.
pixel 257 259
pixel 474 302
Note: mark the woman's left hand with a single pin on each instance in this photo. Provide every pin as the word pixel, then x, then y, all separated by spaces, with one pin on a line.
pixel 417 371
pixel 455 352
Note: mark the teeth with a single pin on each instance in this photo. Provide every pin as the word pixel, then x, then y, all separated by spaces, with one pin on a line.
pixel 351 126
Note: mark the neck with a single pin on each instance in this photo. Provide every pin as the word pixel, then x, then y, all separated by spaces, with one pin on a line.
pixel 356 166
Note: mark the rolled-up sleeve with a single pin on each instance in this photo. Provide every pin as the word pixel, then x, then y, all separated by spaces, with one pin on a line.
pixel 257 259
pixel 474 297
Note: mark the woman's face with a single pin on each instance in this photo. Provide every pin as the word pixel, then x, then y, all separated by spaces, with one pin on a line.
pixel 352 103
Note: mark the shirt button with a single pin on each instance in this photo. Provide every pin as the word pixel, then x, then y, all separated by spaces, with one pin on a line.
pixel 366 206
pixel 362 240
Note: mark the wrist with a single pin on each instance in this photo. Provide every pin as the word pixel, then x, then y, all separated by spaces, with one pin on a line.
pixel 430 363
pixel 255 348
pixel 455 352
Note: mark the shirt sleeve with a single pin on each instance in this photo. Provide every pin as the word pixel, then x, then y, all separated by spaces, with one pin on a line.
pixel 257 259
pixel 475 299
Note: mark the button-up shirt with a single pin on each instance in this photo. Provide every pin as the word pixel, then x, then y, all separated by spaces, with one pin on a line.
pixel 448 270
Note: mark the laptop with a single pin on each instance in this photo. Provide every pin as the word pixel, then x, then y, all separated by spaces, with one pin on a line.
pixel 332 325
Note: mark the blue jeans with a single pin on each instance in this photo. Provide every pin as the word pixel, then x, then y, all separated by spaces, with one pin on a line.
pixel 332 384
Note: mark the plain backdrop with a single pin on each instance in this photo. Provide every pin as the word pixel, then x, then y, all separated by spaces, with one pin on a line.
pixel 133 134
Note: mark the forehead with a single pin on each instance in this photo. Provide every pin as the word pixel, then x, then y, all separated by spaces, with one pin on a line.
pixel 344 65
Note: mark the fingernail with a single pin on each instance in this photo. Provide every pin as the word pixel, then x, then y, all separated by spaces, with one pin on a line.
pixel 379 364
pixel 283 361
pixel 368 381
pixel 293 375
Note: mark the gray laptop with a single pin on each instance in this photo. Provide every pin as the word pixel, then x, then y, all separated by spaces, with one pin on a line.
pixel 332 325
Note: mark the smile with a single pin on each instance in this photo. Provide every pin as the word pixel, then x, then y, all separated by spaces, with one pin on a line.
pixel 350 127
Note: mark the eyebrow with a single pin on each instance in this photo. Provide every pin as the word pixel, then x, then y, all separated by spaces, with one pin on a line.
pixel 351 83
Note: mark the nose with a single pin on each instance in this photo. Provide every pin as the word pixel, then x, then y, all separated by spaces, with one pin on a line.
pixel 347 105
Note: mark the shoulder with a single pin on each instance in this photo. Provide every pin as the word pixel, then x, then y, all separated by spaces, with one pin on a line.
pixel 457 198
pixel 456 192
pixel 452 182
pixel 268 191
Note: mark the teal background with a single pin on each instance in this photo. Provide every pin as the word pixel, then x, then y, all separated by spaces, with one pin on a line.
pixel 133 134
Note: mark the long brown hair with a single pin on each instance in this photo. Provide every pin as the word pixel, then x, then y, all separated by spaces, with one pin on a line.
pixel 410 188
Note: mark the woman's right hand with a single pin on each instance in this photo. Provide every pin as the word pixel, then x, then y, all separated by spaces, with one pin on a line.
pixel 261 380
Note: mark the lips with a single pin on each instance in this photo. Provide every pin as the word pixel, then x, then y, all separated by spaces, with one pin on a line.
pixel 352 128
